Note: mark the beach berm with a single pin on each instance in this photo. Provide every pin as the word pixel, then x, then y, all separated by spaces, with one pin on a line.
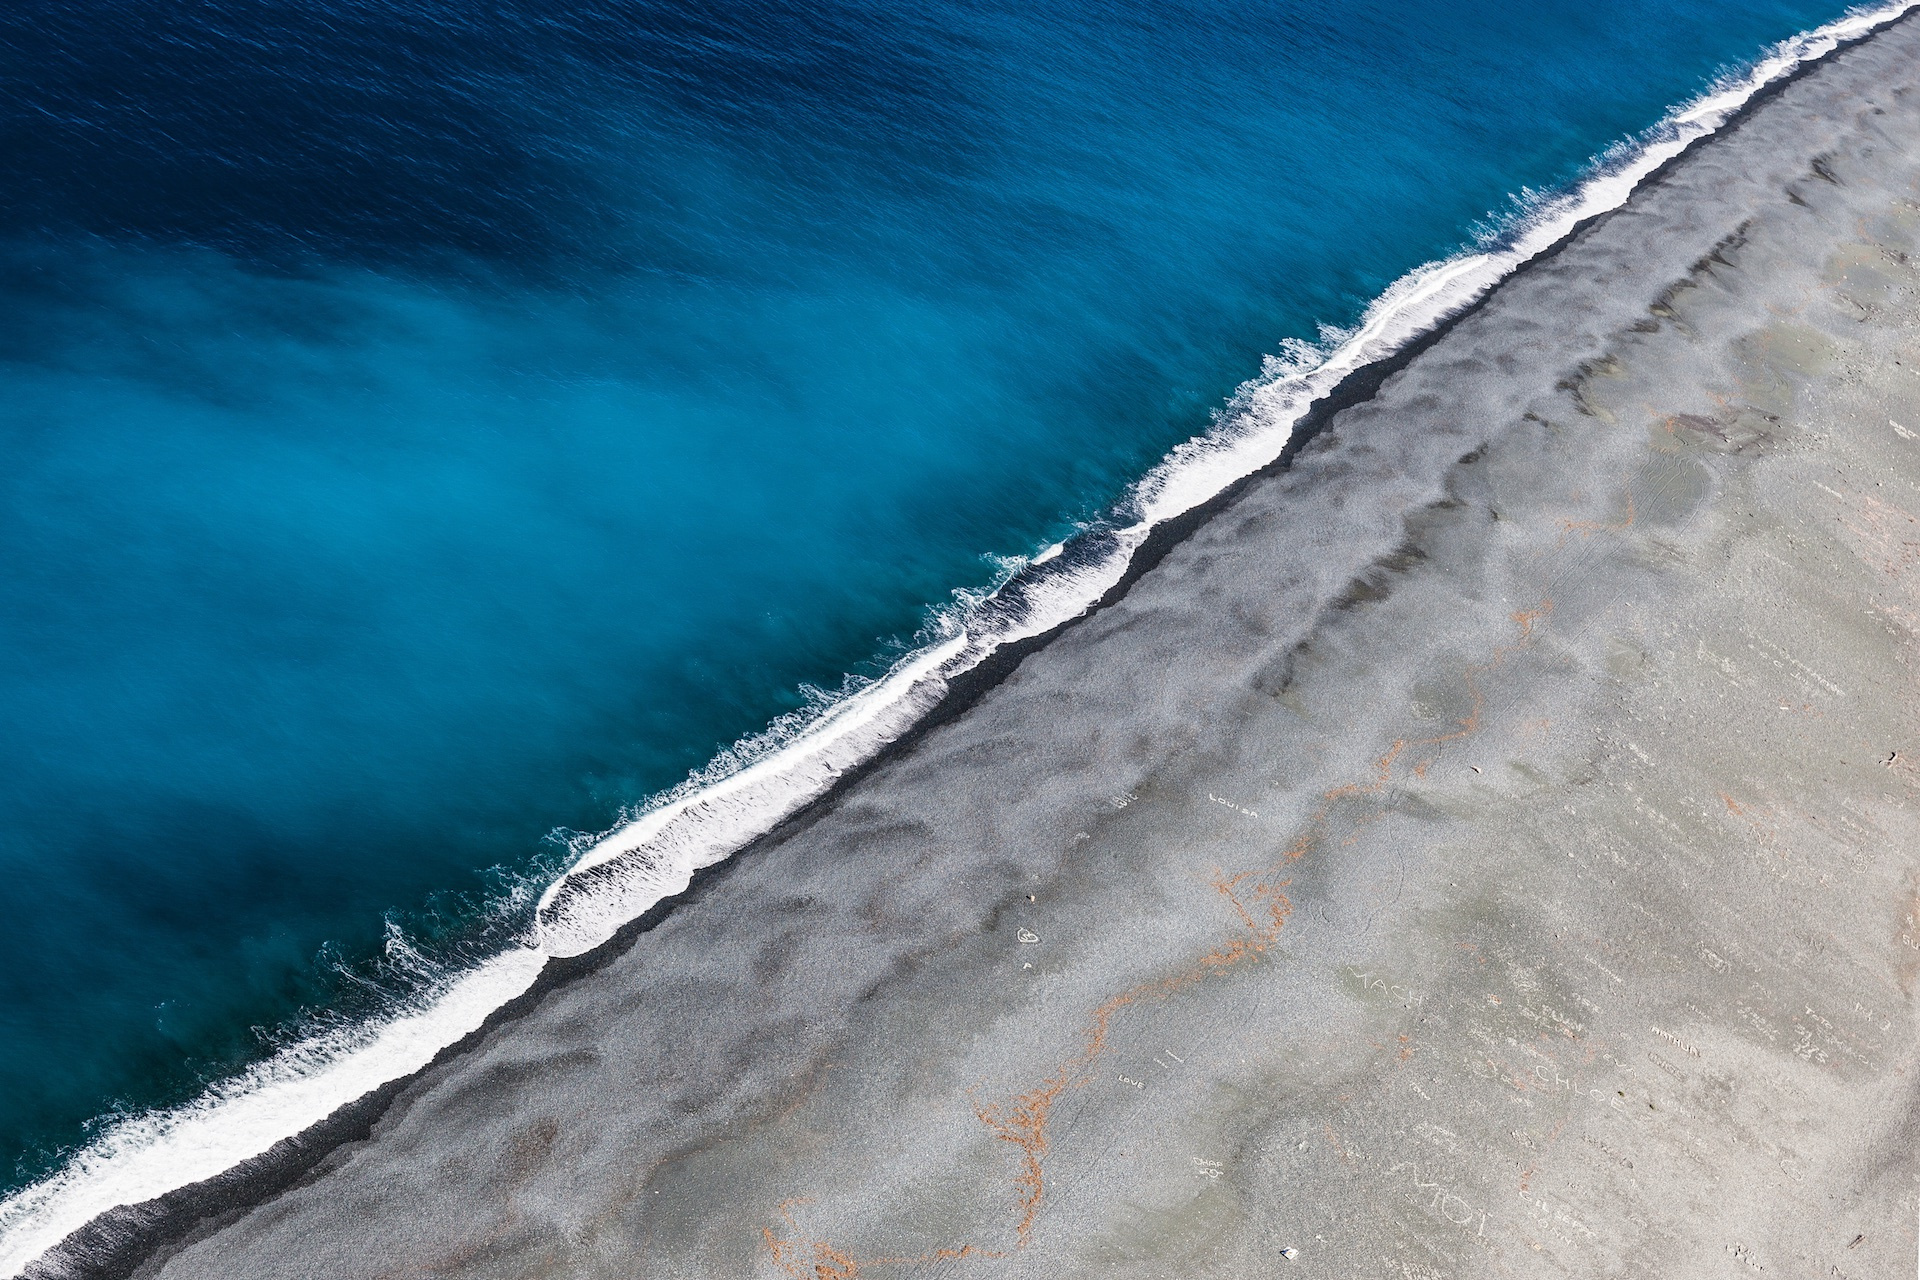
pixel 1489 845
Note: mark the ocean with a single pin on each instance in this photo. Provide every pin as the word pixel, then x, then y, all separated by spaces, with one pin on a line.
pixel 431 434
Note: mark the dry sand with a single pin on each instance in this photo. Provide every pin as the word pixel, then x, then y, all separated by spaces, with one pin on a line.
pixel 1488 847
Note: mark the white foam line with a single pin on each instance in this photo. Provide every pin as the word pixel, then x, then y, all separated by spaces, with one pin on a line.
pixel 763 780
pixel 701 823
pixel 147 1156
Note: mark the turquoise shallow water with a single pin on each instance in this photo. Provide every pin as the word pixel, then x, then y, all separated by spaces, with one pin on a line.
pixel 420 432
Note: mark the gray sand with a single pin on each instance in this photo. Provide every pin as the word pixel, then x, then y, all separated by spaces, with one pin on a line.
pixel 1489 847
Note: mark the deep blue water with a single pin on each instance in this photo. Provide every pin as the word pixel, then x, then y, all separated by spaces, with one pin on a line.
pixel 427 425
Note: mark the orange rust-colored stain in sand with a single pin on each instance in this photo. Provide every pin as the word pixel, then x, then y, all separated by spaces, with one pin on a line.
pixel 1022 1121
pixel 1260 905
pixel 1587 528
pixel 1382 774
pixel 805 1259
pixel 1528 620
pixel 1273 905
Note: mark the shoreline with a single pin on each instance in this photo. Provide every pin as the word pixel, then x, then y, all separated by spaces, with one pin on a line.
pixel 1424 303
pixel 125 1240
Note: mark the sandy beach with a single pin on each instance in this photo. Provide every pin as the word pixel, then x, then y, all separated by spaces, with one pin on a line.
pixel 1486 846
